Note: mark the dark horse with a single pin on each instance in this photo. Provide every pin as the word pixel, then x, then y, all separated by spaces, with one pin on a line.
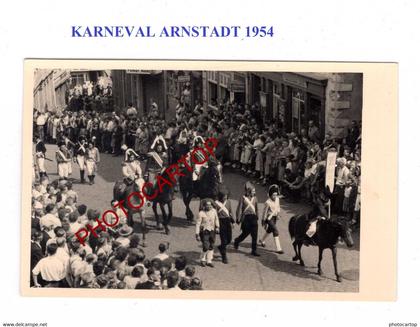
pixel 123 190
pixel 207 186
pixel 164 198
pixel 326 237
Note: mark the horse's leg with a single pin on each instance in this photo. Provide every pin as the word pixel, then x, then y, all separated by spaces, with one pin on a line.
pixel 164 217
pixel 130 220
pixel 296 257
pixel 169 212
pixel 300 254
pixel 334 255
pixel 187 200
pixel 154 207
pixel 143 227
pixel 320 272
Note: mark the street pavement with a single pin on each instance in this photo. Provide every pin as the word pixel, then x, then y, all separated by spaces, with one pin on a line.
pixel 269 272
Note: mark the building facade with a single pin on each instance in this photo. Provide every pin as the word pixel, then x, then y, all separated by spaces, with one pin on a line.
pixel 221 87
pixel 165 88
pixel 330 100
pixel 43 92
pixel 57 89
pixel 139 88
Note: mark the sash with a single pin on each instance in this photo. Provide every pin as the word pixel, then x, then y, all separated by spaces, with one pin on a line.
pixel 156 157
pixel 81 147
pixel 249 204
pixel 134 167
pixel 274 207
pixel 61 154
pixel 222 207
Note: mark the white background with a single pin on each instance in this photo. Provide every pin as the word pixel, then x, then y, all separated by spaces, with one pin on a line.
pixel 304 30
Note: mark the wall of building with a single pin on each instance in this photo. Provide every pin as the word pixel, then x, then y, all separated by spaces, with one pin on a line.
pixel 344 97
pixel 44 92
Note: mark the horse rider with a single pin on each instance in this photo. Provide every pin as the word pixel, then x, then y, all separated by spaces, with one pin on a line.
pixel 198 142
pixel 131 167
pixel 157 160
pixel 40 151
pixel 80 157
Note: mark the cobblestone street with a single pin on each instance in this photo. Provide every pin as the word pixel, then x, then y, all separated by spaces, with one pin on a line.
pixel 269 272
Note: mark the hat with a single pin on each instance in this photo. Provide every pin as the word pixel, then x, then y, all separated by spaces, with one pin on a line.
pixel 125 230
pixel 273 189
pixel 204 201
pixel 249 186
pixel 223 190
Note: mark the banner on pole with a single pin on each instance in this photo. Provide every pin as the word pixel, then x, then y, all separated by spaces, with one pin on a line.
pixel 330 170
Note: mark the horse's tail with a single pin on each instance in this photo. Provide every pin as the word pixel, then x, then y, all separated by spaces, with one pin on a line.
pixel 292 223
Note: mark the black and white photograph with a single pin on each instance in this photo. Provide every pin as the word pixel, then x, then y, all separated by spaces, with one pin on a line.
pixel 189 180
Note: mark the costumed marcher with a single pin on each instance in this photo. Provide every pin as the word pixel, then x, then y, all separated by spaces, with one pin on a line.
pixel 198 143
pixel 157 161
pixel 70 146
pixel 92 160
pixel 206 229
pixel 80 157
pixel 131 167
pixel 226 221
pixel 270 215
pixel 40 151
pixel 63 157
pixel 247 216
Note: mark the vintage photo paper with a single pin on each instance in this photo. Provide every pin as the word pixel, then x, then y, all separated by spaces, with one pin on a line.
pixel 209 179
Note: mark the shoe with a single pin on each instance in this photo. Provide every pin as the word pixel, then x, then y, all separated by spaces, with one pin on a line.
pixel 279 252
pixel 262 244
pixel 209 264
pixel 203 263
pixel 255 254
pixel 235 245
pixel 225 260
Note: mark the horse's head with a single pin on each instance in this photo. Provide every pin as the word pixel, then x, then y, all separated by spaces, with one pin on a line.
pixel 345 231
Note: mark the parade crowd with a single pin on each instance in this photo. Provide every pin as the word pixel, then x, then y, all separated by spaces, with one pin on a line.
pixel 292 165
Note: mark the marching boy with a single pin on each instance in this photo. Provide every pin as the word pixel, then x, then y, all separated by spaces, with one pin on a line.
pixel 206 229
pixel 226 221
pixel 63 157
pixel 270 215
pixel 247 216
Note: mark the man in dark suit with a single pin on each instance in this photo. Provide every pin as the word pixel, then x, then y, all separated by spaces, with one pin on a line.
pixel 36 250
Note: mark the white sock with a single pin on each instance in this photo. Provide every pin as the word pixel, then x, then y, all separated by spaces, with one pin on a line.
pixel 277 241
pixel 209 256
pixel 204 255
